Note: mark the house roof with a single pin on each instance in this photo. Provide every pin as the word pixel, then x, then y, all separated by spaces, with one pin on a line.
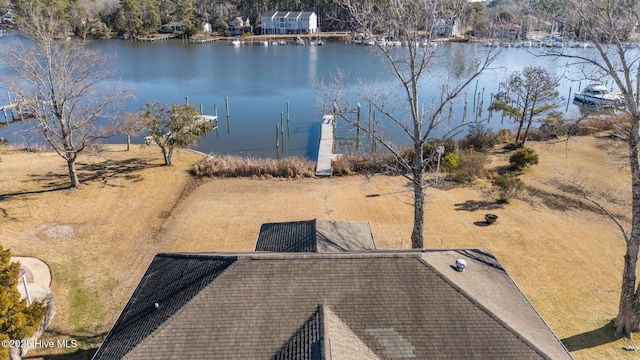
pixel 291 14
pixel 315 236
pixel 340 305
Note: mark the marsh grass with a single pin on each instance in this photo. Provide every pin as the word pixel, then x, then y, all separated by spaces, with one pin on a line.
pixel 236 166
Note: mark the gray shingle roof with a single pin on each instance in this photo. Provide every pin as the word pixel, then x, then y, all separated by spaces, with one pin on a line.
pixel 169 283
pixel 315 236
pixel 376 304
pixel 294 236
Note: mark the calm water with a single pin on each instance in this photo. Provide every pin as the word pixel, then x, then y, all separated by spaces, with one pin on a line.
pixel 259 82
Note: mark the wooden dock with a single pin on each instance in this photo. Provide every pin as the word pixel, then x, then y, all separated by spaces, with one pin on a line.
pixel 325 150
pixel 203 40
pixel 153 38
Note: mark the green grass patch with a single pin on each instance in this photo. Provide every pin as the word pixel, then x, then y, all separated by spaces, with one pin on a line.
pixel 86 310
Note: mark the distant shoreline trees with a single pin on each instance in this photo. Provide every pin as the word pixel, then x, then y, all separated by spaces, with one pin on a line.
pixel 143 17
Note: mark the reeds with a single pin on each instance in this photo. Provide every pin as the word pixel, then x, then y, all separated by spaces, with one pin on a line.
pixel 236 166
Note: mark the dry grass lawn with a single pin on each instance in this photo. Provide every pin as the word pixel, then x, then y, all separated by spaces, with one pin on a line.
pixel 563 253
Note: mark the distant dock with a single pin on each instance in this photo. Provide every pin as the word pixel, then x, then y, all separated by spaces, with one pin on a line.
pixel 325 150
pixel 203 40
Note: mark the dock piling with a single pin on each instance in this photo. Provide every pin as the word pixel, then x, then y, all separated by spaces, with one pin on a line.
pixel 282 133
pixel 277 143
pixel 288 129
pixel 226 100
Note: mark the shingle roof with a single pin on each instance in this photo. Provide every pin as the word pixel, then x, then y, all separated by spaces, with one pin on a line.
pixel 294 236
pixel 169 283
pixel 376 304
pixel 315 236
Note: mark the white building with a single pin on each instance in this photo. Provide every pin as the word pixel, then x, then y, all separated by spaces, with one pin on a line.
pixel 289 22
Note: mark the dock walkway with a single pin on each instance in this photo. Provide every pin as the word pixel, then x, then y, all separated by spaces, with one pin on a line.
pixel 325 150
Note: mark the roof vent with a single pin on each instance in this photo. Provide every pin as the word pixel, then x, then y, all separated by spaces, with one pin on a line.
pixel 460 265
pixel 156 305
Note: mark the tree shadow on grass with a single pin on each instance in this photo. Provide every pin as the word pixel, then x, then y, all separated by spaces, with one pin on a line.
pixel 102 172
pixel 97 172
pixel 474 205
pixel 596 337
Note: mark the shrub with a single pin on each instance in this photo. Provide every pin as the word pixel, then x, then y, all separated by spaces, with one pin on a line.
pixel 553 126
pixel 470 167
pixel 505 136
pixel 364 164
pixel 429 150
pixel 508 186
pixel 449 162
pixel 523 158
pixel 479 138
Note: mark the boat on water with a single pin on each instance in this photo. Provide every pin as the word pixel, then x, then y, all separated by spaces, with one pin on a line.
pixel 598 94
pixel 235 42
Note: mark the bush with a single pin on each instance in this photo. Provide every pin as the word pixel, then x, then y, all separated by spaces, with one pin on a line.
pixel 479 138
pixel 505 136
pixel 612 124
pixel 363 164
pixel 555 125
pixel 449 162
pixel 429 150
pixel 523 158
pixel 508 186
pixel 470 167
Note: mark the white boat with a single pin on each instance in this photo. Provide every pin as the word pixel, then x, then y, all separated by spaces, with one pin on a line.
pixel 299 41
pixel 598 94
pixel 236 42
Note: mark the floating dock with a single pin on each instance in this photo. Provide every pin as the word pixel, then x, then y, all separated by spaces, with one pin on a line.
pixel 325 150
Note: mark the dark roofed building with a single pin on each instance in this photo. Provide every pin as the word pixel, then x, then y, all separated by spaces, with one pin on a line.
pixel 315 236
pixel 329 305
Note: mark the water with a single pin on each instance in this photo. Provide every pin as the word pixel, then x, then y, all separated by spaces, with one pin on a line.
pixel 260 81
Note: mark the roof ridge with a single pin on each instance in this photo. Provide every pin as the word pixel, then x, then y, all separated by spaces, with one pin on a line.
pixel 487 310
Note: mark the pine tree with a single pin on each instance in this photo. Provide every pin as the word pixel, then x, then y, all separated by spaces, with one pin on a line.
pixel 17 319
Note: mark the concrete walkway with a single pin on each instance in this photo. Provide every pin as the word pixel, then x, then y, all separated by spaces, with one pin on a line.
pixel 38 277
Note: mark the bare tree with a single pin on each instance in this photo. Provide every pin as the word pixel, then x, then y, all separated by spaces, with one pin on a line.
pixel 608 24
pixel 60 83
pixel 417 23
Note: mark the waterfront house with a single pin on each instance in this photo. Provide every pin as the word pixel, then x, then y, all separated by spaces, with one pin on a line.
pixel 446 28
pixel 172 27
pixel 240 25
pixel 320 290
pixel 289 22
pixel 8 17
pixel 206 27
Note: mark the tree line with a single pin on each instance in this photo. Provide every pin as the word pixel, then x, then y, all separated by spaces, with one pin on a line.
pixel 142 17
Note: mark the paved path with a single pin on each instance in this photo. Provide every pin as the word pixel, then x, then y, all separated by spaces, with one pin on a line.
pixel 39 278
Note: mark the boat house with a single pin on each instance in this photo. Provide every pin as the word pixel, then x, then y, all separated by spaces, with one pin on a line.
pixel 321 290
pixel 289 22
